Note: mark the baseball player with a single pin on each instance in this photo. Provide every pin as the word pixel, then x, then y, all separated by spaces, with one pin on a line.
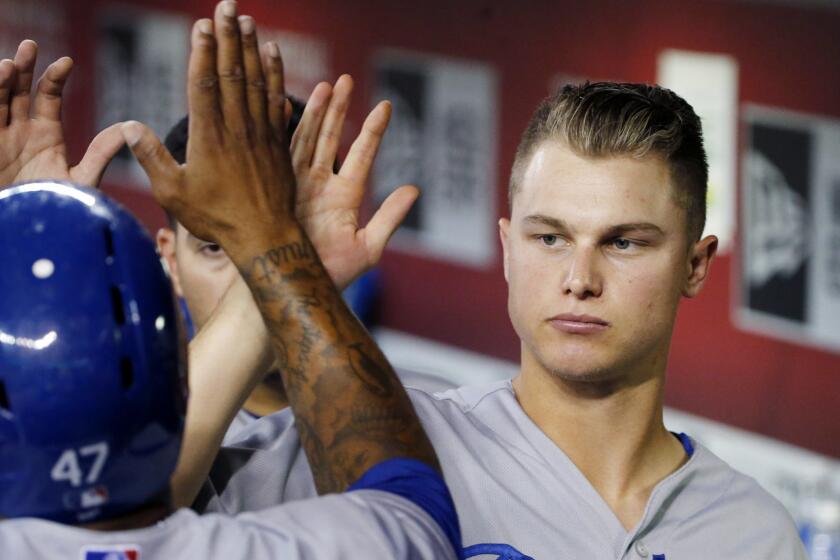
pixel 571 458
pixel 90 426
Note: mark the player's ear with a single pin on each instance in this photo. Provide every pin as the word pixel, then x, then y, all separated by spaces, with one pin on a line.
pixel 504 227
pixel 698 265
pixel 166 243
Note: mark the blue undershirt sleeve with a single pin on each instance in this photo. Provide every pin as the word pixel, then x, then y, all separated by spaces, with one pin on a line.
pixel 419 483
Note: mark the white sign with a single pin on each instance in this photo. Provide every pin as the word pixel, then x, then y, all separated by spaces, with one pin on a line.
pixel 305 60
pixel 442 138
pixel 141 73
pixel 790 256
pixel 709 82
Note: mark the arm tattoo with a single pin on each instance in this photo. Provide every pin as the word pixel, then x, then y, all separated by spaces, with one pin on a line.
pixel 351 410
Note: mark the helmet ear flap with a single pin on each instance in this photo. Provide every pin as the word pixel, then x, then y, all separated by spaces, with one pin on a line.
pixel 91 385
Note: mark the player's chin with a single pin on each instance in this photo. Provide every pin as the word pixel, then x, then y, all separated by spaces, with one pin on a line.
pixel 581 372
pixel 579 364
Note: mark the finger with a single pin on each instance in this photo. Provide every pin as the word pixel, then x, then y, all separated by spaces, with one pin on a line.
pixel 230 68
pixel 7 79
pixel 276 89
pixel 288 111
pixel 303 141
pixel 362 153
pixel 25 58
pixel 255 85
pixel 203 84
pixel 154 158
pixel 99 154
pixel 387 219
pixel 329 137
pixel 50 88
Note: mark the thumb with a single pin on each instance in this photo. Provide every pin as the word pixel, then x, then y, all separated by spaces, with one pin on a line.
pixel 99 154
pixel 387 219
pixel 152 156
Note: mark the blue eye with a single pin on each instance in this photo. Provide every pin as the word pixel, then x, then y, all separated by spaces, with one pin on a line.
pixel 621 243
pixel 548 240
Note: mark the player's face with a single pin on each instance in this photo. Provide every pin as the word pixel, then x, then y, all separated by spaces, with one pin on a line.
pixel 201 271
pixel 597 257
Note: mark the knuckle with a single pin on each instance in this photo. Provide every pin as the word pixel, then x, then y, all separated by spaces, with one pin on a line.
pixel 49 89
pixel 229 29
pixel 320 172
pixel 256 84
pixel 328 135
pixel 243 134
pixel 232 75
pixel 206 82
pixel 149 150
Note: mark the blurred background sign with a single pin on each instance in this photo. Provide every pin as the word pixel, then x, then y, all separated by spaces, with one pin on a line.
pixel 709 82
pixel 442 138
pixel 305 60
pixel 141 68
pixel 44 22
pixel 790 261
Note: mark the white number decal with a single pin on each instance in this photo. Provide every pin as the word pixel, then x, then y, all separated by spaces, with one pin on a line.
pixel 100 451
pixel 67 467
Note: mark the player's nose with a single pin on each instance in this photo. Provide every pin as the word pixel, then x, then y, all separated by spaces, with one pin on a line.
pixel 582 278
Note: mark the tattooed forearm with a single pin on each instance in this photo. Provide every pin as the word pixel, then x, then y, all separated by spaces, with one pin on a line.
pixel 350 408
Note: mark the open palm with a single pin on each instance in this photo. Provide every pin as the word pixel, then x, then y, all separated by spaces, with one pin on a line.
pixel 328 203
pixel 31 135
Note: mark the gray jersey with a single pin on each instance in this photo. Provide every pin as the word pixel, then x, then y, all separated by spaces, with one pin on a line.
pixel 518 495
pixel 360 524
pixel 242 420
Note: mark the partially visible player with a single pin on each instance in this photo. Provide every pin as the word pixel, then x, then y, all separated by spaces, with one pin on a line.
pixel 102 461
pixel 328 197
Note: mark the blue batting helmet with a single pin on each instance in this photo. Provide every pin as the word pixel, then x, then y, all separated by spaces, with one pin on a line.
pixel 91 365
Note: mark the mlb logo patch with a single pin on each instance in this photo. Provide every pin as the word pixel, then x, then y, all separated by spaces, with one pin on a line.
pixel 94 497
pixel 115 552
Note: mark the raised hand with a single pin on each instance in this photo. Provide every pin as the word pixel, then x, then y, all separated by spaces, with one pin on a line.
pixel 31 136
pixel 238 189
pixel 328 203
pixel 242 183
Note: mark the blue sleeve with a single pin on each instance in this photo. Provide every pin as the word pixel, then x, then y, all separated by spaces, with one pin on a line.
pixel 418 482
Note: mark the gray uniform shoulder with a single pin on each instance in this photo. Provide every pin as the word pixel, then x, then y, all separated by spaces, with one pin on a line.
pixel 733 515
pixel 460 399
pixel 422 380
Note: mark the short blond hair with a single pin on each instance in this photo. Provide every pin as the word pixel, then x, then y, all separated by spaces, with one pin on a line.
pixel 617 119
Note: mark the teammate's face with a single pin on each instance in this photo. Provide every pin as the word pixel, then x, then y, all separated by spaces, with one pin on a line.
pixel 597 257
pixel 201 271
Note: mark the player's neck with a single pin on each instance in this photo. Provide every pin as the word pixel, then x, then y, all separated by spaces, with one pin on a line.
pixel 144 517
pixel 613 433
pixel 267 397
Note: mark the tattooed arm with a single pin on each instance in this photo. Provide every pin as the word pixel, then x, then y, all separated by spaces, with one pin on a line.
pixel 238 189
pixel 350 408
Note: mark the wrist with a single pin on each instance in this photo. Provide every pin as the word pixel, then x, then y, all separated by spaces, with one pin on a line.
pixel 262 239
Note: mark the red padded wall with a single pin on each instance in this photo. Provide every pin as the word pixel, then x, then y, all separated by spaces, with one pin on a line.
pixel 788 57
